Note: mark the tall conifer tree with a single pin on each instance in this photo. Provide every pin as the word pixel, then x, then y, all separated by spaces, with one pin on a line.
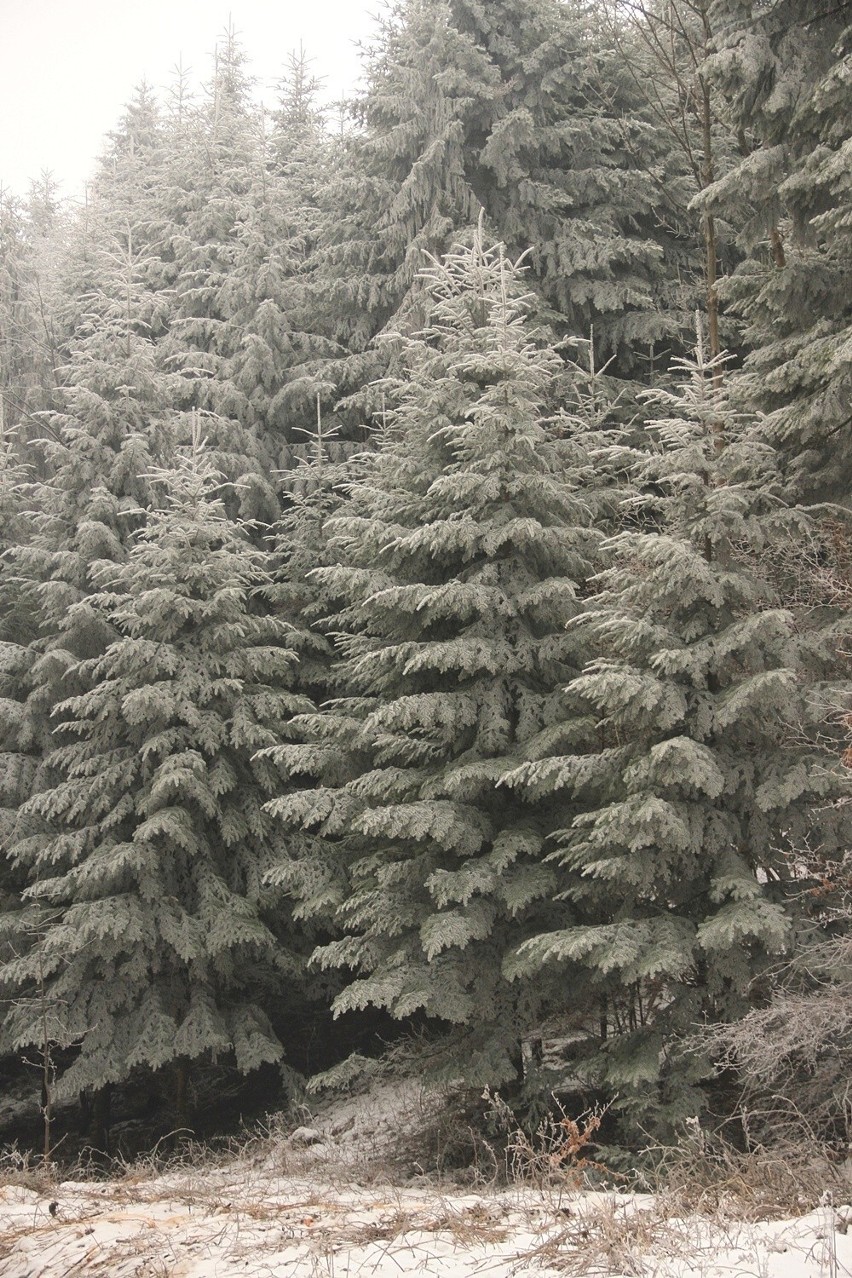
pixel 782 74
pixel 400 191
pixel 18 744
pixel 30 240
pixel 96 444
pixel 223 265
pixel 565 161
pixel 459 558
pixel 145 880
pixel 275 356
pixel 673 868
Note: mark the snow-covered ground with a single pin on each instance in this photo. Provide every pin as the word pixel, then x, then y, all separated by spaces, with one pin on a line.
pixel 309 1205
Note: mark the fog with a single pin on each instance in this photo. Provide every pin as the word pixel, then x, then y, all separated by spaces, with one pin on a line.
pixel 68 66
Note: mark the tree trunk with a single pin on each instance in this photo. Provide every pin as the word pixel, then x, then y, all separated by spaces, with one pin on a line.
pixel 181 1095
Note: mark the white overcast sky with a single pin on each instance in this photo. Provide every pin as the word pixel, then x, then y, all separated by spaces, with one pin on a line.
pixel 68 66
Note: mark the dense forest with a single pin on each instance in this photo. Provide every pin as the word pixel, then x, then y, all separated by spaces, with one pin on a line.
pixel 426 565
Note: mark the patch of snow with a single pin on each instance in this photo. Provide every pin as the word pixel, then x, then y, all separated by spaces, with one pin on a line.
pixel 291 1208
pixel 241 1220
pixel 305 1136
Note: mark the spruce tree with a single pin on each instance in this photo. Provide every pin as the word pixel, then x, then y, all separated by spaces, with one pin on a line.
pixel 314 489
pixel 516 108
pixel 782 75
pixel 217 216
pixel 145 880
pixel 662 46
pixel 398 192
pixel 709 771
pixel 243 202
pixel 31 233
pixel 18 753
pixel 98 442
pixel 92 450
pixel 272 353
pixel 565 161
pixel 459 558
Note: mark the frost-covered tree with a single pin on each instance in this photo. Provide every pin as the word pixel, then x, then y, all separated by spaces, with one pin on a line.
pixel 18 752
pixel 782 75
pixel 565 162
pixel 30 237
pixel 460 557
pixel 662 47
pixel 517 108
pixel 98 443
pixel 223 341
pixel 314 488
pixel 242 195
pixel 399 190
pixel 145 877
pixel 707 771
pixel 792 1053
pixel 271 352
pixel 94 446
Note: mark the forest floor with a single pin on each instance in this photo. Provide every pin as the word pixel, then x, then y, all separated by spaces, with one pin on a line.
pixel 321 1201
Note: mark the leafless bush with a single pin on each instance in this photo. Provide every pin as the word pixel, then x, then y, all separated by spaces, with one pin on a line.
pixel 812 568
pixel 706 1173
pixel 451 1145
pixel 22 1167
pixel 798 1048
pixel 792 1056
pixel 558 1151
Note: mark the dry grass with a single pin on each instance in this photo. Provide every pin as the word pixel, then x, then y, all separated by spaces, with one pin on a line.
pixel 237 1210
pixel 706 1174
pixel 616 1236
pixel 468 1226
pixel 531 1187
pixel 20 1167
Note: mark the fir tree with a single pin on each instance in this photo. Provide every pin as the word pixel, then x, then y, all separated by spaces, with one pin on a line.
pixel 314 489
pixel 517 109
pixel 88 484
pixel 99 441
pixel 458 562
pixel 663 47
pixel 673 869
pixel 146 881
